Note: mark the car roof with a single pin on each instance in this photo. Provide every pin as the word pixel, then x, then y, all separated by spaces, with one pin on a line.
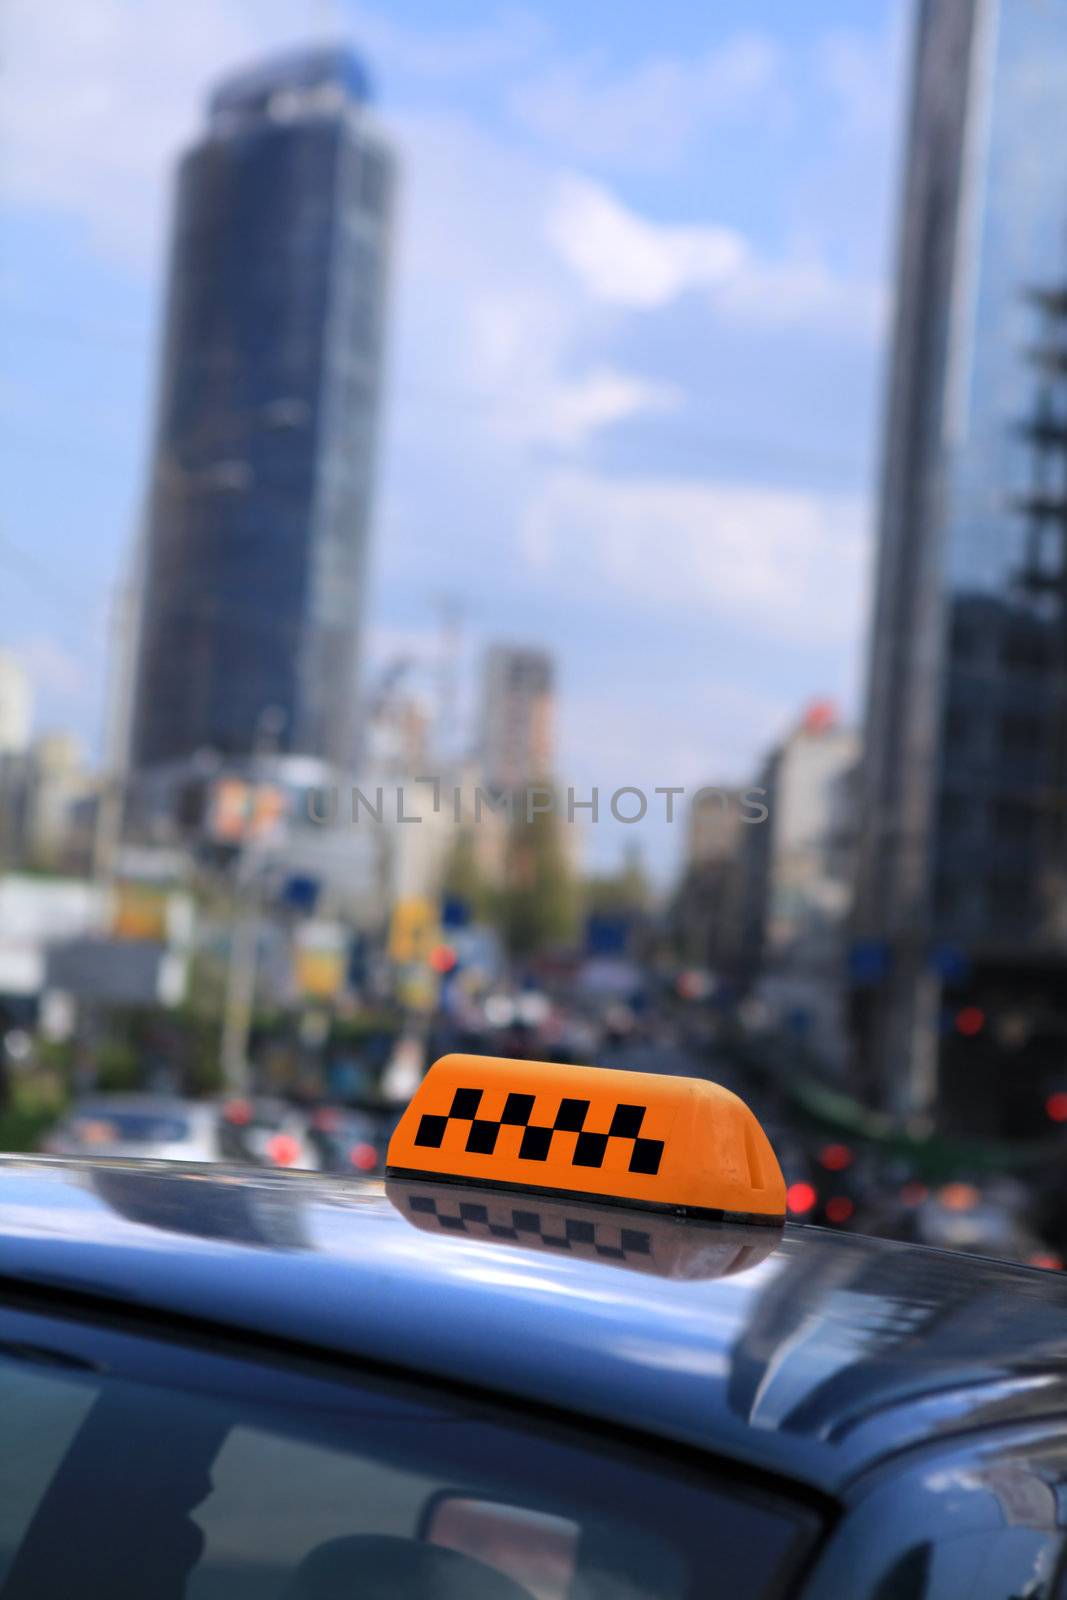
pixel 832 1353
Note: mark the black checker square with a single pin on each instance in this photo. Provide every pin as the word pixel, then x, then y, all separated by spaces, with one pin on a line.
pixel 636 1243
pixel 626 1123
pixel 518 1109
pixel 536 1143
pixel 570 1118
pixel 557 1241
pixel 431 1131
pixel 589 1149
pixel 481 1140
pixel 465 1103
pixel 526 1221
pixel 646 1156
pixel 580 1232
pixel 470 1211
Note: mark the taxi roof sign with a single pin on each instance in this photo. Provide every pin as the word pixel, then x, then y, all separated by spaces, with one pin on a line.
pixel 680 1145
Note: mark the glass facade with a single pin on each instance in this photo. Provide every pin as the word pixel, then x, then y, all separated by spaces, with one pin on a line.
pixel 262 474
pixel 962 855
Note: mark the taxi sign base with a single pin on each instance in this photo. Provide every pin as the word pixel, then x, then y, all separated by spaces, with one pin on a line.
pixel 662 1207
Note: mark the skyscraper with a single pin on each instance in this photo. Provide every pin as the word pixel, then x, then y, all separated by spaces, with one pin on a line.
pixel 261 478
pixel 15 706
pixel 517 725
pixel 960 959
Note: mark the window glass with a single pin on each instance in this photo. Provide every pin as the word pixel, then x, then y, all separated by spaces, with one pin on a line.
pixel 130 1127
pixel 281 1486
pixel 39 1416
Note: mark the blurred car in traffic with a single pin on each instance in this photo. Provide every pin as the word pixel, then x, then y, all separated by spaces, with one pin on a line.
pixel 348 1141
pixel 141 1126
pixel 988 1220
pixel 266 1132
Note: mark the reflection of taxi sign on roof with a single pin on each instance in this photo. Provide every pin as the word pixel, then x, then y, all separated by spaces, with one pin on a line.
pixel 667 1247
pixel 678 1145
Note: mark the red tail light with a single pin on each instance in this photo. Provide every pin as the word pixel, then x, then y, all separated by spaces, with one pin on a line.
pixel 800 1198
pixel 363 1157
pixel 1046 1259
pixel 1056 1107
pixel 970 1021
pixel 283 1149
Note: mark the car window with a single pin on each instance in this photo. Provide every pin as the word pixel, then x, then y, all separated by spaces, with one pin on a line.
pixel 130 1127
pixel 225 1480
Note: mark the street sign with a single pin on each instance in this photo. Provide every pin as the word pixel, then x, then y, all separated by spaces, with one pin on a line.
pixel 413 931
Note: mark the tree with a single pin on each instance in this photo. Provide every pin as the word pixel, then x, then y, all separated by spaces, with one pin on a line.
pixel 625 891
pixel 464 880
pixel 538 906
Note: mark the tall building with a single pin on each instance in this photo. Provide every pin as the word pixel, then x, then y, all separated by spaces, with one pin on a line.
pixel 15 706
pixel 960 954
pixel 707 914
pixel 517 745
pixel 799 871
pixel 262 472
pixel 47 796
pixel 15 717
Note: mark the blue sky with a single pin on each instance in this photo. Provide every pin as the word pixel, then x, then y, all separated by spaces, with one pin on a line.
pixel 643 271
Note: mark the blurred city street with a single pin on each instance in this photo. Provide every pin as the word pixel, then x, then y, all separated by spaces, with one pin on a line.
pixel 485 663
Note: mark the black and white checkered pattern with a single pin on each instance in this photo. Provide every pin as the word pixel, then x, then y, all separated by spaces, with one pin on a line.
pixel 607 1240
pixel 589 1148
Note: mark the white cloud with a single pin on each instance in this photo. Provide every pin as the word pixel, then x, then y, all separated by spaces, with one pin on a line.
pixel 649 115
pixel 485 305
pixel 782 564
pixel 626 260
pixel 98 97
pixel 603 396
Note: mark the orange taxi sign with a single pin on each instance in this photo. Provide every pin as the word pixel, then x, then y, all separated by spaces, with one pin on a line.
pixel 680 1145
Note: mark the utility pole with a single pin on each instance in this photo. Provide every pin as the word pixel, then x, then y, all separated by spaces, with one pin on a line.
pixel 239 1001
pixel 450 617
pixel 110 807
pixel 241 978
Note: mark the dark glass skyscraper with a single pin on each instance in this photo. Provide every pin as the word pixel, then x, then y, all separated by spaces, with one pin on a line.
pixel 961 953
pixel 261 479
